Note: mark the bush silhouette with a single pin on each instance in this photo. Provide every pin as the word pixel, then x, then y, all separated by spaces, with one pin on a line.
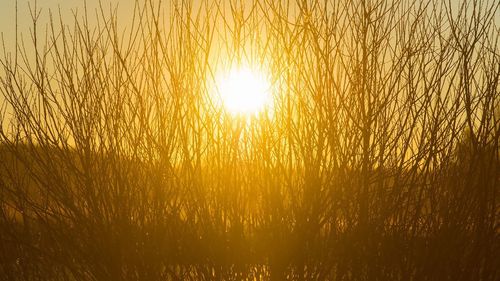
pixel 378 160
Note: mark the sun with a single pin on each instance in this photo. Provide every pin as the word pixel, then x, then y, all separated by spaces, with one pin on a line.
pixel 244 91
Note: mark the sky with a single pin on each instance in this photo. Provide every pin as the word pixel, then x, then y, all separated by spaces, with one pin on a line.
pixel 8 14
pixel 125 8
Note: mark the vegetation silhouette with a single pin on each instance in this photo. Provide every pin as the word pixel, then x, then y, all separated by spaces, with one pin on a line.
pixel 379 159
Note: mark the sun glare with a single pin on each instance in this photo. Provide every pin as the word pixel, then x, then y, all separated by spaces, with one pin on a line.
pixel 244 91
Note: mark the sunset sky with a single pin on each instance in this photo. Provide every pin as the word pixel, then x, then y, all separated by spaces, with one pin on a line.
pixel 8 14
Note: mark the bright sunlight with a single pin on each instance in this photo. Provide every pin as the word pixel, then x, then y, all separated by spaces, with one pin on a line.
pixel 244 91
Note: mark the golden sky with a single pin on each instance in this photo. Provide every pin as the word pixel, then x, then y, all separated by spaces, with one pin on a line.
pixel 8 14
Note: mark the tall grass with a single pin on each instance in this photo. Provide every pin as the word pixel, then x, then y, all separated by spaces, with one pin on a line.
pixel 379 159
